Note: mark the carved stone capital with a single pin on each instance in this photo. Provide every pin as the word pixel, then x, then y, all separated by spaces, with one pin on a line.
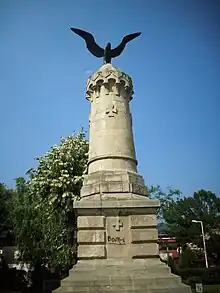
pixel 107 80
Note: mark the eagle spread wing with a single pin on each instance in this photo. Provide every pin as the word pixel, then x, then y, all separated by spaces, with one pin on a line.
pixel 118 50
pixel 90 42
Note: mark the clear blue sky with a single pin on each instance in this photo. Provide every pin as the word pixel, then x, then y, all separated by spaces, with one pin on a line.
pixel 175 66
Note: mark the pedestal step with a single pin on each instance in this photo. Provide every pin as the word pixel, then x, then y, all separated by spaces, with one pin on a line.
pixel 116 283
pixel 129 290
pixel 118 279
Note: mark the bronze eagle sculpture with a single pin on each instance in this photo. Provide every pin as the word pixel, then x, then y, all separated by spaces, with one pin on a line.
pixel 107 53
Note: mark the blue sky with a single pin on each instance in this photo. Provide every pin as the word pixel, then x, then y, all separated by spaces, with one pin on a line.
pixel 175 66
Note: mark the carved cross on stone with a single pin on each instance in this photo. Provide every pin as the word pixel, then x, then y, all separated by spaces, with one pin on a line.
pixel 118 225
pixel 112 110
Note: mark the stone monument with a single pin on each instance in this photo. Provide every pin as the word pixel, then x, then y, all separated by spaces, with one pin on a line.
pixel 117 224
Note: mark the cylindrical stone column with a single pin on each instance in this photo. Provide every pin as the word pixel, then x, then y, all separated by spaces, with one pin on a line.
pixel 111 145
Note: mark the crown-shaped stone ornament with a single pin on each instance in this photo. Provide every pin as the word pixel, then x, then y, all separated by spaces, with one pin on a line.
pixel 109 79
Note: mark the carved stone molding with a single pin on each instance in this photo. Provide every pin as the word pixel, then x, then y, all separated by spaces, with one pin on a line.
pixel 112 110
pixel 107 80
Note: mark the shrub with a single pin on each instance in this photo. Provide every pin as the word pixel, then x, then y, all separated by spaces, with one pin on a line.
pixel 207 276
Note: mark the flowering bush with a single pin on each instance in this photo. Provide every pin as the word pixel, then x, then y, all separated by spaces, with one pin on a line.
pixel 60 171
pixel 43 215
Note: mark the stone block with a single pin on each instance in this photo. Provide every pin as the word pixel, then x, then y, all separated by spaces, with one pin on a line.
pixel 135 178
pixel 138 189
pixel 144 204
pixel 89 222
pixel 144 235
pixel 110 181
pixel 143 221
pixel 115 186
pixel 84 236
pixel 144 250
pixel 90 189
pixel 91 251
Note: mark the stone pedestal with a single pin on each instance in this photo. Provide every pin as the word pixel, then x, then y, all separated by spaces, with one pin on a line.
pixel 117 225
pixel 115 228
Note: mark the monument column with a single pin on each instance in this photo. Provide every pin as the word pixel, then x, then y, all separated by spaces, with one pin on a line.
pixel 117 225
pixel 111 145
pixel 112 165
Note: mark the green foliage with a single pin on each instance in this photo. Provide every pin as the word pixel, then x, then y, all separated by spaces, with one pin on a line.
pixel 178 214
pixel 44 221
pixel 59 174
pixel 213 245
pixel 6 233
pixel 202 206
pixel 172 265
pixel 166 198
pixel 187 258
pixel 208 276
pixel 210 289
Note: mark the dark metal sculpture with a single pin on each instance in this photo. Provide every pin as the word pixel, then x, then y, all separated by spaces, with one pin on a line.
pixel 108 53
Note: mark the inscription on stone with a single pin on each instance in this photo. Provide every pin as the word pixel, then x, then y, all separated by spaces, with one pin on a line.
pixel 116 240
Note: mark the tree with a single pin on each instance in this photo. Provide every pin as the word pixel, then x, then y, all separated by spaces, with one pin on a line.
pixel 6 233
pixel 166 198
pixel 27 222
pixel 203 206
pixel 187 258
pixel 44 219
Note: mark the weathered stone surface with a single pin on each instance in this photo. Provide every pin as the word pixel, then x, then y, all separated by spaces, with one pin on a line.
pixel 109 182
pixel 150 205
pixel 121 276
pixel 144 250
pixel 118 240
pixel 112 176
pixel 111 144
pixel 87 222
pixel 128 226
pixel 142 221
pixel 91 237
pixel 144 235
pixel 91 251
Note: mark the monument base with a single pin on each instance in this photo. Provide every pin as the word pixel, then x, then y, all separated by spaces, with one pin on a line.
pixel 117 276
pixel 117 248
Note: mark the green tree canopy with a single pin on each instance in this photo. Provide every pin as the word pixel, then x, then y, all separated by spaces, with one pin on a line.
pixel 6 233
pixel 166 197
pixel 202 206
pixel 43 216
